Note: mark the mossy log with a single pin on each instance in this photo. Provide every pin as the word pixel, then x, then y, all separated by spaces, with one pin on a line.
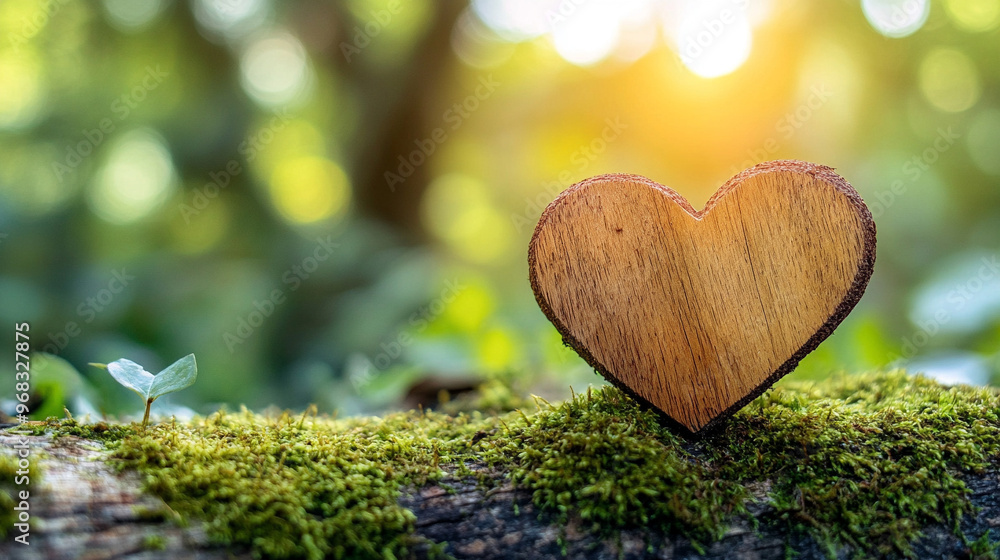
pixel 886 466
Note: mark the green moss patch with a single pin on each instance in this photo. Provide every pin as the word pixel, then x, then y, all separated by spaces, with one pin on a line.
pixel 8 470
pixel 864 461
pixel 9 489
pixel 861 462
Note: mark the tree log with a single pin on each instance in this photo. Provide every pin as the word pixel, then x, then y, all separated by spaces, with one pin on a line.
pixel 83 508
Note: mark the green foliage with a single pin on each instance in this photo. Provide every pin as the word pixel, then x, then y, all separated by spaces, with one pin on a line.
pixel 859 463
pixel 57 385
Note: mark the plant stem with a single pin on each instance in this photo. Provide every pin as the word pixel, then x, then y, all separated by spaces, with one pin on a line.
pixel 145 418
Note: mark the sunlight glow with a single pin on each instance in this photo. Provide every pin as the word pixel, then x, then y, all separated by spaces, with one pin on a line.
pixel 713 38
pixel 478 45
pixel 639 31
pixel 587 35
pixel 514 20
pixel 896 18
pixel 277 142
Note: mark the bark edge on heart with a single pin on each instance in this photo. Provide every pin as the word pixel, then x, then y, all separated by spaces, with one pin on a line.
pixel 846 213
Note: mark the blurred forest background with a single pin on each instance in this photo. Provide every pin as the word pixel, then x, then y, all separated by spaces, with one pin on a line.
pixel 330 201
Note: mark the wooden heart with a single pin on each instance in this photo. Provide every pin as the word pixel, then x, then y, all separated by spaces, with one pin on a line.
pixel 696 313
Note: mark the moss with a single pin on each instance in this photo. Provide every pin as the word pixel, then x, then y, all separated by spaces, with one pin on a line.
pixel 860 462
pixel 864 461
pixel 603 458
pixel 9 489
pixel 154 542
pixel 983 548
pixel 299 487
pixel 8 468
pixel 110 434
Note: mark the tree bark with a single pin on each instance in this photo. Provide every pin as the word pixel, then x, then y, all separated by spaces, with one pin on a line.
pixel 396 114
pixel 82 508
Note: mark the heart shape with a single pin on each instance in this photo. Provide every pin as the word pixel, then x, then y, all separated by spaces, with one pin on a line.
pixel 697 313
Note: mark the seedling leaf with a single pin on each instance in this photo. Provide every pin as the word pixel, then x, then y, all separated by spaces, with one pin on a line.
pixel 179 375
pixel 131 375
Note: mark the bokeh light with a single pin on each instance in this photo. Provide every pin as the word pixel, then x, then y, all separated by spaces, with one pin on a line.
pixel 274 141
pixel 230 19
pixel 713 38
pixel 477 45
pixel 974 16
pixel 132 15
pixel 497 349
pixel 515 20
pixel 983 141
pixel 309 189
pixel 949 80
pixel 587 34
pixel 274 70
pixel 22 89
pixel 896 18
pixel 202 231
pixel 471 308
pixel 638 33
pixel 34 188
pixel 967 292
pixel 458 209
pixel 136 179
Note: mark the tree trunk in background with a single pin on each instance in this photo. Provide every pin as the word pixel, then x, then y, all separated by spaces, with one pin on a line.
pixel 397 113
pixel 83 509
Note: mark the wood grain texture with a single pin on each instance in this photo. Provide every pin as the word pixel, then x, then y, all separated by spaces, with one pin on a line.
pixel 696 313
pixel 83 508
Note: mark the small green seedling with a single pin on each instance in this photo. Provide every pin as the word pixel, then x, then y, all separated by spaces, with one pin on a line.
pixel 179 375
